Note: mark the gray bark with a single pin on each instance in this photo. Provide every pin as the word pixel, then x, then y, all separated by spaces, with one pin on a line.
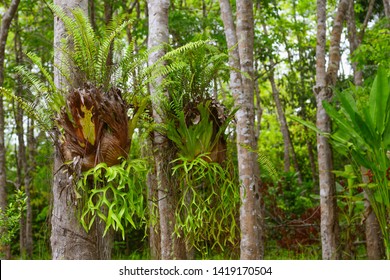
pixel 250 211
pixel 171 246
pixel 23 165
pixel 30 153
pixel 68 238
pixel 386 4
pixel 251 215
pixel 5 24
pixel 154 228
pixel 324 80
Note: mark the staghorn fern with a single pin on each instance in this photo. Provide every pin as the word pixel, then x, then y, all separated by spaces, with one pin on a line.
pixel 87 52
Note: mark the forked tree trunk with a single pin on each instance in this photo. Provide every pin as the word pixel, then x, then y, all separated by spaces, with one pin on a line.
pixel 325 80
pixel 5 24
pixel 68 238
pixel 171 246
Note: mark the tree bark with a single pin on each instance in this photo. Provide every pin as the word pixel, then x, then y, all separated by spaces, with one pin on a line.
pixel 158 35
pixel 68 238
pixel 251 230
pixel 5 24
pixel 374 239
pixel 324 81
pixel 386 5
pixel 154 228
pixel 28 177
pixel 23 167
pixel 235 81
pixel 251 216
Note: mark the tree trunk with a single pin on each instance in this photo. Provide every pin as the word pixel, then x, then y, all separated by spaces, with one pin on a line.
pixel 68 238
pixel 5 24
pixel 158 34
pixel 28 177
pixel 386 5
pixel 325 80
pixel 313 164
pixel 251 216
pixel 250 211
pixel 289 151
pixel 335 37
pixel 329 223
pixel 154 228
pixel 374 240
pixel 22 162
pixel 235 81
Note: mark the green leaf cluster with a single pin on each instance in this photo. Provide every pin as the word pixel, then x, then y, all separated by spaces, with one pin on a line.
pixel 364 134
pixel 86 50
pixel 207 212
pixel 10 218
pixel 116 195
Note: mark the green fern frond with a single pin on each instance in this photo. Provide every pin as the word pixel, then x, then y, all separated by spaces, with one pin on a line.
pixel 31 110
pixel 37 61
pixel 88 52
pixel 173 54
pixel 85 43
pixel 114 29
pixel 268 165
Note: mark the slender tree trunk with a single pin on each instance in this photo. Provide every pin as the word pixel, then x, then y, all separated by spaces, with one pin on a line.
pixel 92 13
pixel 312 160
pixel 242 87
pixel 235 82
pixel 68 239
pixel 171 245
pixel 154 228
pixel 374 240
pixel 259 111
pixel 386 4
pixel 289 151
pixel 22 163
pixel 250 211
pixel 335 38
pixel 5 24
pixel 325 80
pixel 30 168
pixel 108 12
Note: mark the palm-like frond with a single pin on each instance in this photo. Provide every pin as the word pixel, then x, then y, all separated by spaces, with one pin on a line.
pixel 196 122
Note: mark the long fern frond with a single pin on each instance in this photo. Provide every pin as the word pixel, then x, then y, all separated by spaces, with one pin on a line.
pixel 42 118
pixel 114 29
pixel 85 43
